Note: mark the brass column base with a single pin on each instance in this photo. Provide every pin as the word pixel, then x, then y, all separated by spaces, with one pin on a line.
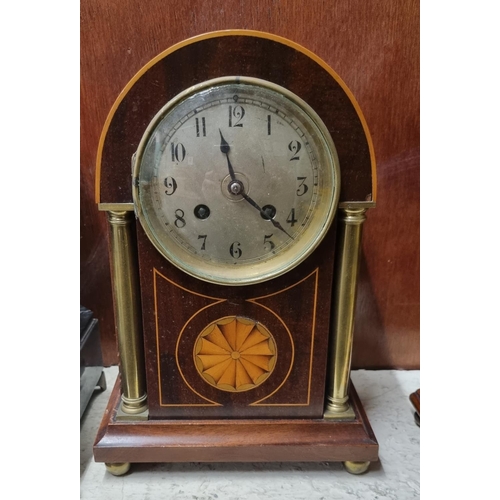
pixel 122 416
pixel 334 413
pixel 135 405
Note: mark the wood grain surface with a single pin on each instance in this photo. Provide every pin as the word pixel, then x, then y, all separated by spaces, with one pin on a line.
pixel 292 307
pixel 233 440
pixel 373 46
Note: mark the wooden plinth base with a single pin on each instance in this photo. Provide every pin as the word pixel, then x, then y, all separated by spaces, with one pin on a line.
pixel 277 440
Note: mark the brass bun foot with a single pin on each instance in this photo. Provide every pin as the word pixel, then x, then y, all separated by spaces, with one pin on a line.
pixel 356 467
pixel 118 469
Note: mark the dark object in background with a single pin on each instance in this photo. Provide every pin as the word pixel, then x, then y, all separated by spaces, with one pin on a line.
pixel 415 401
pixel 91 366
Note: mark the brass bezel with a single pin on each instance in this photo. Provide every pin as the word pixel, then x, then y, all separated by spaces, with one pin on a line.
pixel 251 273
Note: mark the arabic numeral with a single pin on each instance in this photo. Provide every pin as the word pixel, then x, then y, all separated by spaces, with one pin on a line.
pixel 269 245
pixel 178 151
pixel 204 238
pixel 202 129
pixel 303 187
pixel 291 218
pixel 236 114
pixel 295 147
pixel 171 186
pixel 180 222
pixel 235 250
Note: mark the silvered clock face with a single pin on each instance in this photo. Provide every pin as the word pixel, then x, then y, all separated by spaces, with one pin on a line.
pixel 236 181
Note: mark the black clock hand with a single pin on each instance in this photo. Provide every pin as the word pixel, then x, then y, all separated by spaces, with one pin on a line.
pixel 238 186
pixel 224 147
pixel 264 214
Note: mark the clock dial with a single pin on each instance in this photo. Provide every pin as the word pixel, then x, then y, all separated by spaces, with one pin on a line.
pixel 236 181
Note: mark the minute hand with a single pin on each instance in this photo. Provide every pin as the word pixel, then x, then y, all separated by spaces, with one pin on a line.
pixel 274 223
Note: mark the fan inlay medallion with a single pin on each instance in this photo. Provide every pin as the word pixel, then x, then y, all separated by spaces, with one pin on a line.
pixel 235 354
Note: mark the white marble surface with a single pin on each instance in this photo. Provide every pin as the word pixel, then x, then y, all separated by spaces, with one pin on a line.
pixel 396 476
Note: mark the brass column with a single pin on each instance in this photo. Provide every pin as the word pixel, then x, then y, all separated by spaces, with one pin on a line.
pixel 127 311
pixel 344 301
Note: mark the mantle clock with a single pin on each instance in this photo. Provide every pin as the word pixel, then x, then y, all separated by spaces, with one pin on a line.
pixel 235 169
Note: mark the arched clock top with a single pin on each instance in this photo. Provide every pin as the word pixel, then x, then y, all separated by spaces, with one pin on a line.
pixel 231 53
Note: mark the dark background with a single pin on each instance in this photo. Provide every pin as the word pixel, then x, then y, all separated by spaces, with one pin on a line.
pixel 373 46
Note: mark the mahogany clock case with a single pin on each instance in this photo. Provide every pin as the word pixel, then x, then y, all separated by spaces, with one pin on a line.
pixel 295 307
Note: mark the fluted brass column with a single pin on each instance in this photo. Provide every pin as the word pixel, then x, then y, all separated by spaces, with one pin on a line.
pixel 127 311
pixel 344 301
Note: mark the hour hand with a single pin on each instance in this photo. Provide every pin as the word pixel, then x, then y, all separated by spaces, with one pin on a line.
pixel 224 147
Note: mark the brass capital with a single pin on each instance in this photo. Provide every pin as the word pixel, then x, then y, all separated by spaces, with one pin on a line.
pixel 119 218
pixel 353 216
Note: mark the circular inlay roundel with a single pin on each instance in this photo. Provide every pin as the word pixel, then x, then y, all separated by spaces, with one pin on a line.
pixel 235 354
